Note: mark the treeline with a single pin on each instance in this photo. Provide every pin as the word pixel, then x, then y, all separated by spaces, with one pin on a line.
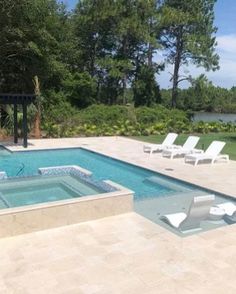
pixel 103 51
pixel 202 95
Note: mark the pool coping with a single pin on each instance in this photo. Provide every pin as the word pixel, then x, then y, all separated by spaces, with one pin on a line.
pixel 122 191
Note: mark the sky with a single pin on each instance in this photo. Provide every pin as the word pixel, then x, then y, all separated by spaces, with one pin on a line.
pixel 225 21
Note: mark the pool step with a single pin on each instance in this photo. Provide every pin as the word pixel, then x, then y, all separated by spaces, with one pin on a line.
pixel 173 185
pixel 153 208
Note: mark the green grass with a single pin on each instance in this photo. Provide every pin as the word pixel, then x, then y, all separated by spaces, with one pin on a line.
pixel 204 142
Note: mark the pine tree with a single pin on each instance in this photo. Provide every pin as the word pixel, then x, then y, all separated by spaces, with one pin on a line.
pixel 187 36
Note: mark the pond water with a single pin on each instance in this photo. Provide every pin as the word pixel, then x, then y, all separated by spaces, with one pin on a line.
pixel 210 116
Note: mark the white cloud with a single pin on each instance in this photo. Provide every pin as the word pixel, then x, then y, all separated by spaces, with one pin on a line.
pixel 227 43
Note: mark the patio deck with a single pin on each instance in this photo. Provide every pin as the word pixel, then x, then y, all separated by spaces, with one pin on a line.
pixel 125 253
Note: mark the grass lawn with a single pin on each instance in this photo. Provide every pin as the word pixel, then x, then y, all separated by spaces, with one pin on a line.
pixel 204 142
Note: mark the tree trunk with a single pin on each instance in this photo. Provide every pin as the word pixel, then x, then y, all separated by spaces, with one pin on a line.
pixel 37 132
pixel 150 47
pixel 125 57
pixel 150 55
pixel 175 84
pixel 37 118
pixel 124 90
pixel 177 61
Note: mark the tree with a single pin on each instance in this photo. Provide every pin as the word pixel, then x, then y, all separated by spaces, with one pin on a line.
pixel 31 44
pixel 203 89
pixel 145 87
pixel 80 88
pixel 187 36
pixel 114 39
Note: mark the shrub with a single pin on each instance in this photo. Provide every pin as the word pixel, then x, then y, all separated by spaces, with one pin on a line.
pixel 99 114
pixel 102 120
pixel 59 109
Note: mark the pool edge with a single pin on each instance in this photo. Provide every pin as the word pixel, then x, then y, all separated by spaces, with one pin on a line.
pixel 32 218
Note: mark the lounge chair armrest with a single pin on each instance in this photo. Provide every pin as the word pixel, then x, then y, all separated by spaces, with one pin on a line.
pixel 223 156
pixel 171 147
pixel 197 151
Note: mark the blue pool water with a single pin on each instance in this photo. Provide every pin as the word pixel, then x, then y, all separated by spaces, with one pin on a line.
pixel 143 182
pixel 33 190
pixel 155 195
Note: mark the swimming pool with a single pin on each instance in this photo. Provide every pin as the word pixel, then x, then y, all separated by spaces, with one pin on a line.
pixel 155 194
pixel 144 183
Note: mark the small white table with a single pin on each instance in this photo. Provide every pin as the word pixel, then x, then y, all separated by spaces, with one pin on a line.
pixel 216 213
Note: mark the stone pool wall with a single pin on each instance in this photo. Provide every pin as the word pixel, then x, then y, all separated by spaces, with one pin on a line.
pixel 31 218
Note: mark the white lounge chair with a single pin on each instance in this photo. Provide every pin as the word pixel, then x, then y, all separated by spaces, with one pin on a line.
pixel 198 211
pixel 212 153
pixel 229 208
pixel 168 141
pixel 187 148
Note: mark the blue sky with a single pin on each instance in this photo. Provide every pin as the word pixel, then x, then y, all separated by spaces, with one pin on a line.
pixel 225 20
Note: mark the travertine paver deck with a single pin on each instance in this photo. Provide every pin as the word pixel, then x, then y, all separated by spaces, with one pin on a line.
pixel 121 254
pixel 126 253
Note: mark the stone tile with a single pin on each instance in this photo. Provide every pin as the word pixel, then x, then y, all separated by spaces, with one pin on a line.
pixel 95 257
pixel 124 253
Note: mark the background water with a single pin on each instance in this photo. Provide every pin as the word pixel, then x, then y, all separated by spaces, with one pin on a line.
pixel 209 116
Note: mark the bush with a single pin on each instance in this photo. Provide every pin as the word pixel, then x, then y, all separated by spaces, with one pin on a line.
pixel 147 115
pixel 102 120
pixel 100 114
pixel 59 109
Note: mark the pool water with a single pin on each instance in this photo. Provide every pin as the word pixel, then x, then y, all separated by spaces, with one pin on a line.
pixel 20 192
pixel 155 195
pixel 144 183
